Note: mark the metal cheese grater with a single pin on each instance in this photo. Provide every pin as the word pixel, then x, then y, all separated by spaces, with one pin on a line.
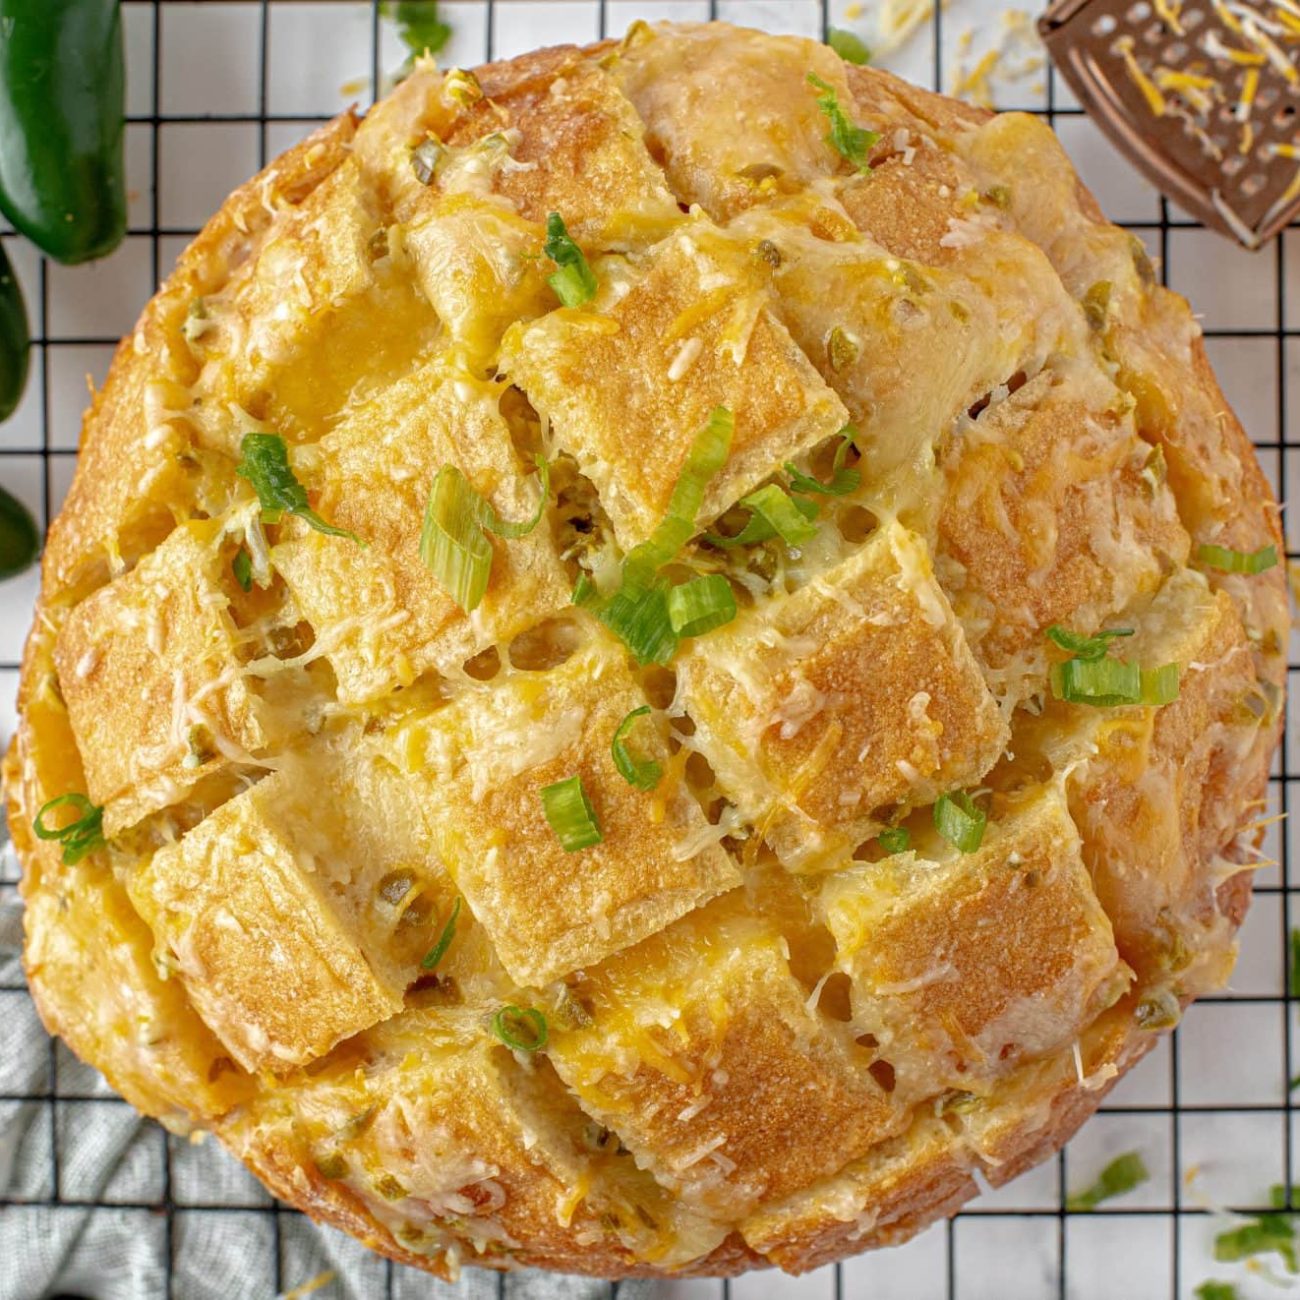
pixel 1203 96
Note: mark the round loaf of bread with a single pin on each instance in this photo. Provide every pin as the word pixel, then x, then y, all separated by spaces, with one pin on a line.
pixel 621 771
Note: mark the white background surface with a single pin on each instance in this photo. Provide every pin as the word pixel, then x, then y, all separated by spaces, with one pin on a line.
pixel 1227 1072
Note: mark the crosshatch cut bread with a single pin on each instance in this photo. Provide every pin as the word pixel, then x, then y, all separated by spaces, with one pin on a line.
pixel 923 864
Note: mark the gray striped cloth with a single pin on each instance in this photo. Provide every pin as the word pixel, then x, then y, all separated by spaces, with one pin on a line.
pixel 102 1233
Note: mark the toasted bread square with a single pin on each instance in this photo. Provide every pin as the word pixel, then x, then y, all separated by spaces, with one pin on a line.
pixel 732 137
pixel 576 148
pixel 149 667
pixel 481 764
pixel 612 377
pixel 384 616
pixel 1170 788
pixel 297 913
pixel 703 1056
pixel 429 1120
pixel 964 965
pixel 1054 512
pixel 821 710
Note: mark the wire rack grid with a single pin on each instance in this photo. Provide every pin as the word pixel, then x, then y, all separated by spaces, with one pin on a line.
pixel 215 90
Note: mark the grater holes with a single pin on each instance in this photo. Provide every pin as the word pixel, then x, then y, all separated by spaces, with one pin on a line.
pixel 1155 33
pixel 1192 19
pixel 1253 184
pixel 1176 52
pixel 1284 116
pixel 1233 164
pixel 1267 96
pixel 1139 12
pixel 1105 25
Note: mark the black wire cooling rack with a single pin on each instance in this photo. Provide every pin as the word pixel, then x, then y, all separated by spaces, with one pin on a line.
pixel 988 1249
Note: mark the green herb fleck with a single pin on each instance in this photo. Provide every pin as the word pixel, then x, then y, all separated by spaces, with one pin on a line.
pixel 1123 1174
pixel 418 25
pixel 1216 1291
pixel 895 839
pixel 1259 1236
pixel 849 141
pixel 264 463
pixel 242 567
pixel 522 1029
pixel 439 949
pixel 849 46
pixel 77 837
pixel 574 281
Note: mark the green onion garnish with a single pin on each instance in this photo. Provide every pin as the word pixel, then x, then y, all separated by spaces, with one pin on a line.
pixel 522 1029
pixel 779 512
pixel 1160 685
pixel 644 773
pixel 418 25
pixel 1293 973
pixel 1123 1174
pixel 895 839
pixel 1213 1290
pixel 848 45
pixel 242 567
pixel 849 141
pixel 842 481
pixel 1109 683
pixel 639 617
pixel 1230 561
pixel 708 454
pixel 439 949
pixel 574 281
pixel 425 158
pixel 264 462
pixel 453 542
pixel 700 605
pixel 757 529
pixel 1086 647
pixel 571 815
pixel 78 837
pixel 1262 1234
pixel 959 822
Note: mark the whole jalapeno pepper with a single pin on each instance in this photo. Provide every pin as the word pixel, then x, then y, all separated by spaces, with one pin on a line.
pixel 14 338
pixel 62 125
pixel 20 543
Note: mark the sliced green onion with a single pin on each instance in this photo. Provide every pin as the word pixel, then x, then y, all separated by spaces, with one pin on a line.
pixel 849 46
pixel 513 531
pixel 1160 685
pixel 522 1029
pixel 708 454
pixel 439 949
pixel 452 541
pixel 1214 1290
pixel 1260 1236
pixel 774 506
pixel 644 773
pixel 574 281
pixel 1103 683
pixel 639 617
pixel 264 462
pixel 849 141
pixel 1086 647
pixel 1293 971
pixel 77 837
pixel 842 481
pixel 895 839
pixel 1123 1174
pixel 1230 561
pixel 757 529
pixel 418 24
pixel 700 605
pixel 571 815
pixel 242 567
pixel 959 821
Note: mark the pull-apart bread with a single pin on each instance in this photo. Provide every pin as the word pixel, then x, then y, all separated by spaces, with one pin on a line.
pixel 664 655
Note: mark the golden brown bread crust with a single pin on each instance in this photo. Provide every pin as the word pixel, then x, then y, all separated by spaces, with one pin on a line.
pixel 1011 487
